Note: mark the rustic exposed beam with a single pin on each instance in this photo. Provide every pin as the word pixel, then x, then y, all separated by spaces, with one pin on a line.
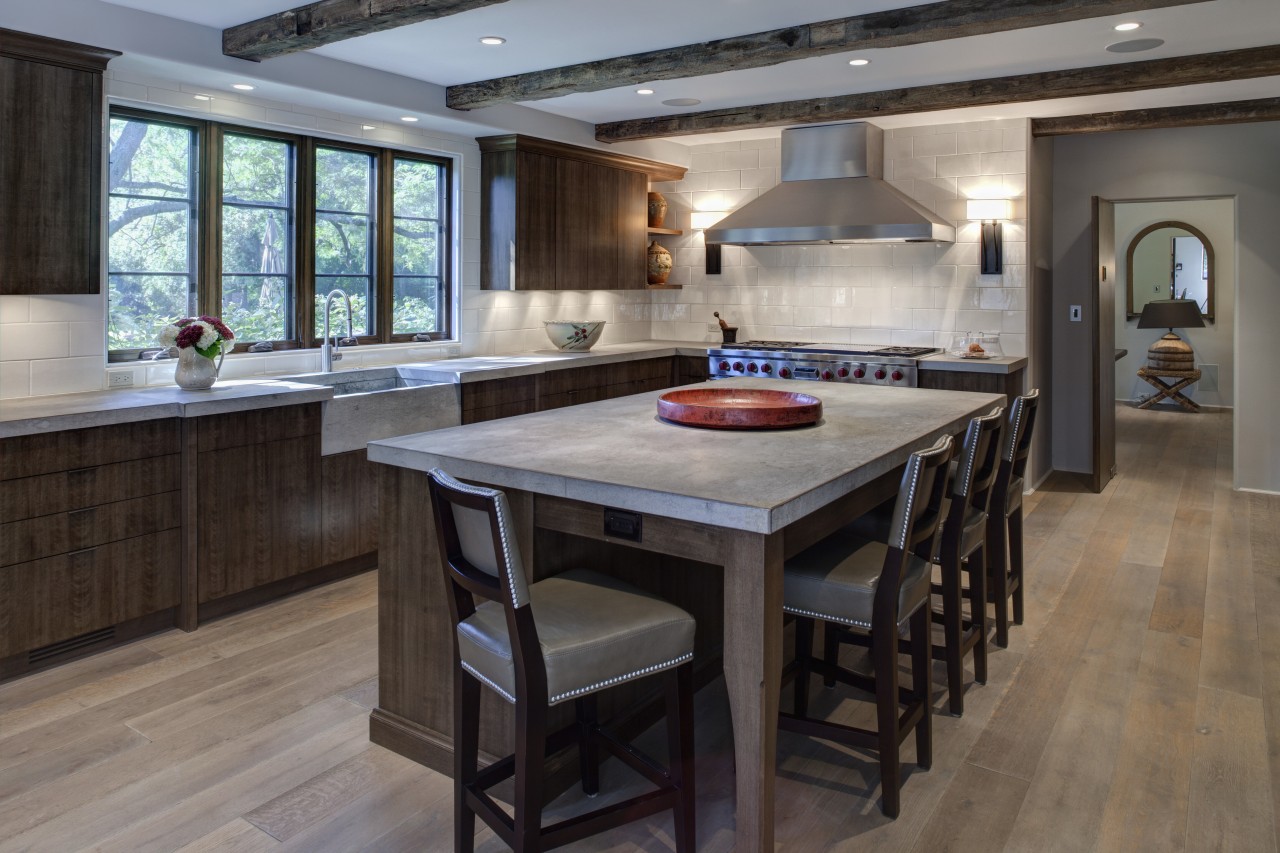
pixel 929 22
pixel 1045 85
pixel 327 21
pixel 1192 115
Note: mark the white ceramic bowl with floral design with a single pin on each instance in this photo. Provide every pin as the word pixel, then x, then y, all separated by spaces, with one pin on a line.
pixel 574 335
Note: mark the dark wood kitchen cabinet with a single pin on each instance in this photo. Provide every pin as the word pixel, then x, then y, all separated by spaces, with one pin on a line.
pixel 1009 384
pixel 51 132
pixel 90 539
pixel 561 217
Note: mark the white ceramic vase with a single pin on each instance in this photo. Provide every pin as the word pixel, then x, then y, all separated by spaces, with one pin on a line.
pixel 194 371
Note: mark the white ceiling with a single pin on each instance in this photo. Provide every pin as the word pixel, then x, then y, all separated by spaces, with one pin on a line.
pixel 551 33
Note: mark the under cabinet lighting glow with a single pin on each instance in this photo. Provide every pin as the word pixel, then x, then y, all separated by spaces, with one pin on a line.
pixel 368 127
pixel 408 118
pixel 1127 26
pixel 243 87
pixel 644 91
pixel 202 97
pixel 859 61
pixel 493 40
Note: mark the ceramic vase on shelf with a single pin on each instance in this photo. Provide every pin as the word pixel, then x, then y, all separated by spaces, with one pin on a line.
pixel 657 210
pixel 659 264
pixel 194 371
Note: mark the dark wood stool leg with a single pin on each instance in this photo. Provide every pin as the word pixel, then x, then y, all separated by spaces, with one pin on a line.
pixel 830 650
pixel 588 746
pixel 679 689
pixel 1016 563
pixel 884 655
pixel 978 612
pixel 466 747
pixel 922 683
pixel 998 573
pixel 531 748
pixel 804 655
pixel 953 634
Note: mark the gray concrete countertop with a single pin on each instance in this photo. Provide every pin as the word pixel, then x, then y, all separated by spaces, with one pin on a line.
pixel 31 415
pixel 942 361
pixel 482 368
pixel 620 454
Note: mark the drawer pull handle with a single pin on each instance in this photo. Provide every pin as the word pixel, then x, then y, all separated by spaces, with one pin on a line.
pixel 82 551
pixel 75 472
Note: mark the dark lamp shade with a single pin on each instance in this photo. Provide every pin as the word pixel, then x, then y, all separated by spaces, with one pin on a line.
pixel 1171 314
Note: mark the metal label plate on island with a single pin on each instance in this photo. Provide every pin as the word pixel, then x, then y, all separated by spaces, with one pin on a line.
pixel 739 408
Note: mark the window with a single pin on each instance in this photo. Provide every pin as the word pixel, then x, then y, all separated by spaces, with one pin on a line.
pixel 259 226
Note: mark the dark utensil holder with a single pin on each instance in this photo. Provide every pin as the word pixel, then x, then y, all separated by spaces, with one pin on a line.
pixel 730 335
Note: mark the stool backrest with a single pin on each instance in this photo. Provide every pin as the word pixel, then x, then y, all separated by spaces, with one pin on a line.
pixel 918 509
pixel 1022 421
pixel 978 464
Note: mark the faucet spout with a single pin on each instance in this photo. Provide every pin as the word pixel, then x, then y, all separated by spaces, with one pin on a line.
pixel 329 353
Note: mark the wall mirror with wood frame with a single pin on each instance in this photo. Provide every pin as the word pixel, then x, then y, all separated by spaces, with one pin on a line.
pixel 1169 260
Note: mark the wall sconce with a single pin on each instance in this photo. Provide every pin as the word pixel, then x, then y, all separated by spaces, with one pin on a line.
pixel 990 211
pixel 701 220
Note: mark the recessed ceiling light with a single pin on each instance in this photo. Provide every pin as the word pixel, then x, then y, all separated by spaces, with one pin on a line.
pixel 682 102
pixel 243 87
pixel 1127 26
pixel 1134 45
pixel 202 97
pixel 368 127
pixel 493 40
pixel 859 61
pixel 408 118
pixel 644 91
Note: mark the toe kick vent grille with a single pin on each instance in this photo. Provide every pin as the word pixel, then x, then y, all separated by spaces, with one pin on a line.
pixel 62 647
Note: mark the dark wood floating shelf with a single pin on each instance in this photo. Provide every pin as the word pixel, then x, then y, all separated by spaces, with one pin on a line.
pixel 664 286
pixel 675 231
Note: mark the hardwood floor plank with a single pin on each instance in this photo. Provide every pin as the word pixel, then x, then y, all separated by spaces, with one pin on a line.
pixel 1231 798
pixel 1264 551
pixel 976 813
pixel 236 836
pixel 1147 806
pixel 51 683
pixel 67 760
pixel 364 694
pixel 1230 656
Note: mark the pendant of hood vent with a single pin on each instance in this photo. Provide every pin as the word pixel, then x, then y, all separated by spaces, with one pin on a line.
pixel 832 191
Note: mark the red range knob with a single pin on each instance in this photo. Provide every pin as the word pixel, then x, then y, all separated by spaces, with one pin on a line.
pixel 897 376
pixel 842 372
pixel 784 372
pixel 752 367
pixel 826 374
pixel 880 374
pixel 858 373
pixel 737 365
pixel 766 369
pixel 724 365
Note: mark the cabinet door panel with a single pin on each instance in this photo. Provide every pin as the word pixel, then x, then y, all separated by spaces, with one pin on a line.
pixel 535 229
pixel 349 506
pixel 586 226
pixel 33 538
pixel 74 449
pixel 633 221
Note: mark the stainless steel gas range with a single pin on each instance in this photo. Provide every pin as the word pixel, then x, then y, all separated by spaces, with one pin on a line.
pixel 818 362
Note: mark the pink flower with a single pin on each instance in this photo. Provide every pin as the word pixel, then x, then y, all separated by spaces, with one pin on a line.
pixel 190 335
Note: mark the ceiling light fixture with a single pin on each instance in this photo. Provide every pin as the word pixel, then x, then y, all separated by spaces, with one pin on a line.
pixel 1134 45
pixel 859 62
pixel 644 91
pixel 408 118
pixel 243 87
pixel 493 40
pixel 682 102
pixel 1127 26
pixel 202 97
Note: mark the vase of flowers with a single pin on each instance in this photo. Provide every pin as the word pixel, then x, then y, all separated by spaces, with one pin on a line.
pixel 199 340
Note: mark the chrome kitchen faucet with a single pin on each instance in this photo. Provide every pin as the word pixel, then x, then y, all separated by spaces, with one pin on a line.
pixel 329 353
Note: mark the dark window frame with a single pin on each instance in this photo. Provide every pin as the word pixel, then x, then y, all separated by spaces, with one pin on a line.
pixel 207 271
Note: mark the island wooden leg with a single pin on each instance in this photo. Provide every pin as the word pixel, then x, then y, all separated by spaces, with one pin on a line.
pixel 752 672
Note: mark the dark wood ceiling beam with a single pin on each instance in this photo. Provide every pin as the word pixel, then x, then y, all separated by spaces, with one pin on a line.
pixel 1192 115
pixel 949 19
pixel 1243 64
pixel 327 21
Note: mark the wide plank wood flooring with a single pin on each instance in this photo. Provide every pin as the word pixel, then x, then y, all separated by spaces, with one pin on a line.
pixel 1138 708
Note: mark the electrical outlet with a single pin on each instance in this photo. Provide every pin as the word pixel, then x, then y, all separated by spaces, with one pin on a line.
pixel 120 379
pixel 1075 315
pixel 452 352
pixel 713 327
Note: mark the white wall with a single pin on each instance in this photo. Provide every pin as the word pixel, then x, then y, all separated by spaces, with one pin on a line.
pixel 1213 344
pixel 908 294
pixel 1233 161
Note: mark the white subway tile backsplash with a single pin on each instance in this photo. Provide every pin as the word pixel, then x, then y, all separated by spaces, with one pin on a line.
pixel 959 164
pixel 29 341
pixel 15 309
pixel 66 375
pixel 935 145
pixel 48 309
pixel 980 141
pixel 15 379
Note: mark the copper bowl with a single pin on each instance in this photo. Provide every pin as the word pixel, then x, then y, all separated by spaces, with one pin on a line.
pixel 739 408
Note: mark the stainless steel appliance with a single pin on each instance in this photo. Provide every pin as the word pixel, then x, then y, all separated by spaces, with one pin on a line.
pixel 818 362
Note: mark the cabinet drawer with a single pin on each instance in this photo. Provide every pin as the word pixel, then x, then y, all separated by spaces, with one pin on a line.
pixel 44 601
pixel 68 450
pixel 46 494
pixel 258 426
pixel 499 392
pixel 576 379
pixel 34 538
pixel 504 410
pixel 573 398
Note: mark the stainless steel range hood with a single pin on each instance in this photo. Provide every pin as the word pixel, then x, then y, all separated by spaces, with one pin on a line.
pixel 832 191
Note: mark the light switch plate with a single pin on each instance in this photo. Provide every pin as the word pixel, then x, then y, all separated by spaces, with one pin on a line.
pixel 1075 314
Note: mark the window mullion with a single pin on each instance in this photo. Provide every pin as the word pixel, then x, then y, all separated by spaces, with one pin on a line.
pixel 305 252
pixel 210 290
pixel 386 244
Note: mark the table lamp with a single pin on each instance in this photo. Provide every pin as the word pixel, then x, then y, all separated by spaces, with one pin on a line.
pixel 1171 352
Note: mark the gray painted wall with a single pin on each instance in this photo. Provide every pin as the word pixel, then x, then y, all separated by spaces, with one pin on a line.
pixel 1239 161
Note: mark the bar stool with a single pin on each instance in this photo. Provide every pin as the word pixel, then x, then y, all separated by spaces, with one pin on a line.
pixel 1004 529
pixel 537 645
pixel 848 580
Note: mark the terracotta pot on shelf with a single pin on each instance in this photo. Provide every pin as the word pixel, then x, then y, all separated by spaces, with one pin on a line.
pixel 657 210
pixel 659 266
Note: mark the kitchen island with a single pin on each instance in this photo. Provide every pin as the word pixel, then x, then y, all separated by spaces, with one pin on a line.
pixel 743 501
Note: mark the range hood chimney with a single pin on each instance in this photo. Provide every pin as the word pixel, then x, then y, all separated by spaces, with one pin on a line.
pixel 832 191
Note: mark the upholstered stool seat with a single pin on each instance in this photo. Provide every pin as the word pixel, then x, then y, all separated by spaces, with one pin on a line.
pixel 594 631
pixel 836 580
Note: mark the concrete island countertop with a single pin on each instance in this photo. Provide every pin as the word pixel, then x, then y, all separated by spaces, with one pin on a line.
pixel 484 368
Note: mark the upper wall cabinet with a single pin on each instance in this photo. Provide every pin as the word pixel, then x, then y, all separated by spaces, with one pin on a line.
pixel 560 217
pixel 51 98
